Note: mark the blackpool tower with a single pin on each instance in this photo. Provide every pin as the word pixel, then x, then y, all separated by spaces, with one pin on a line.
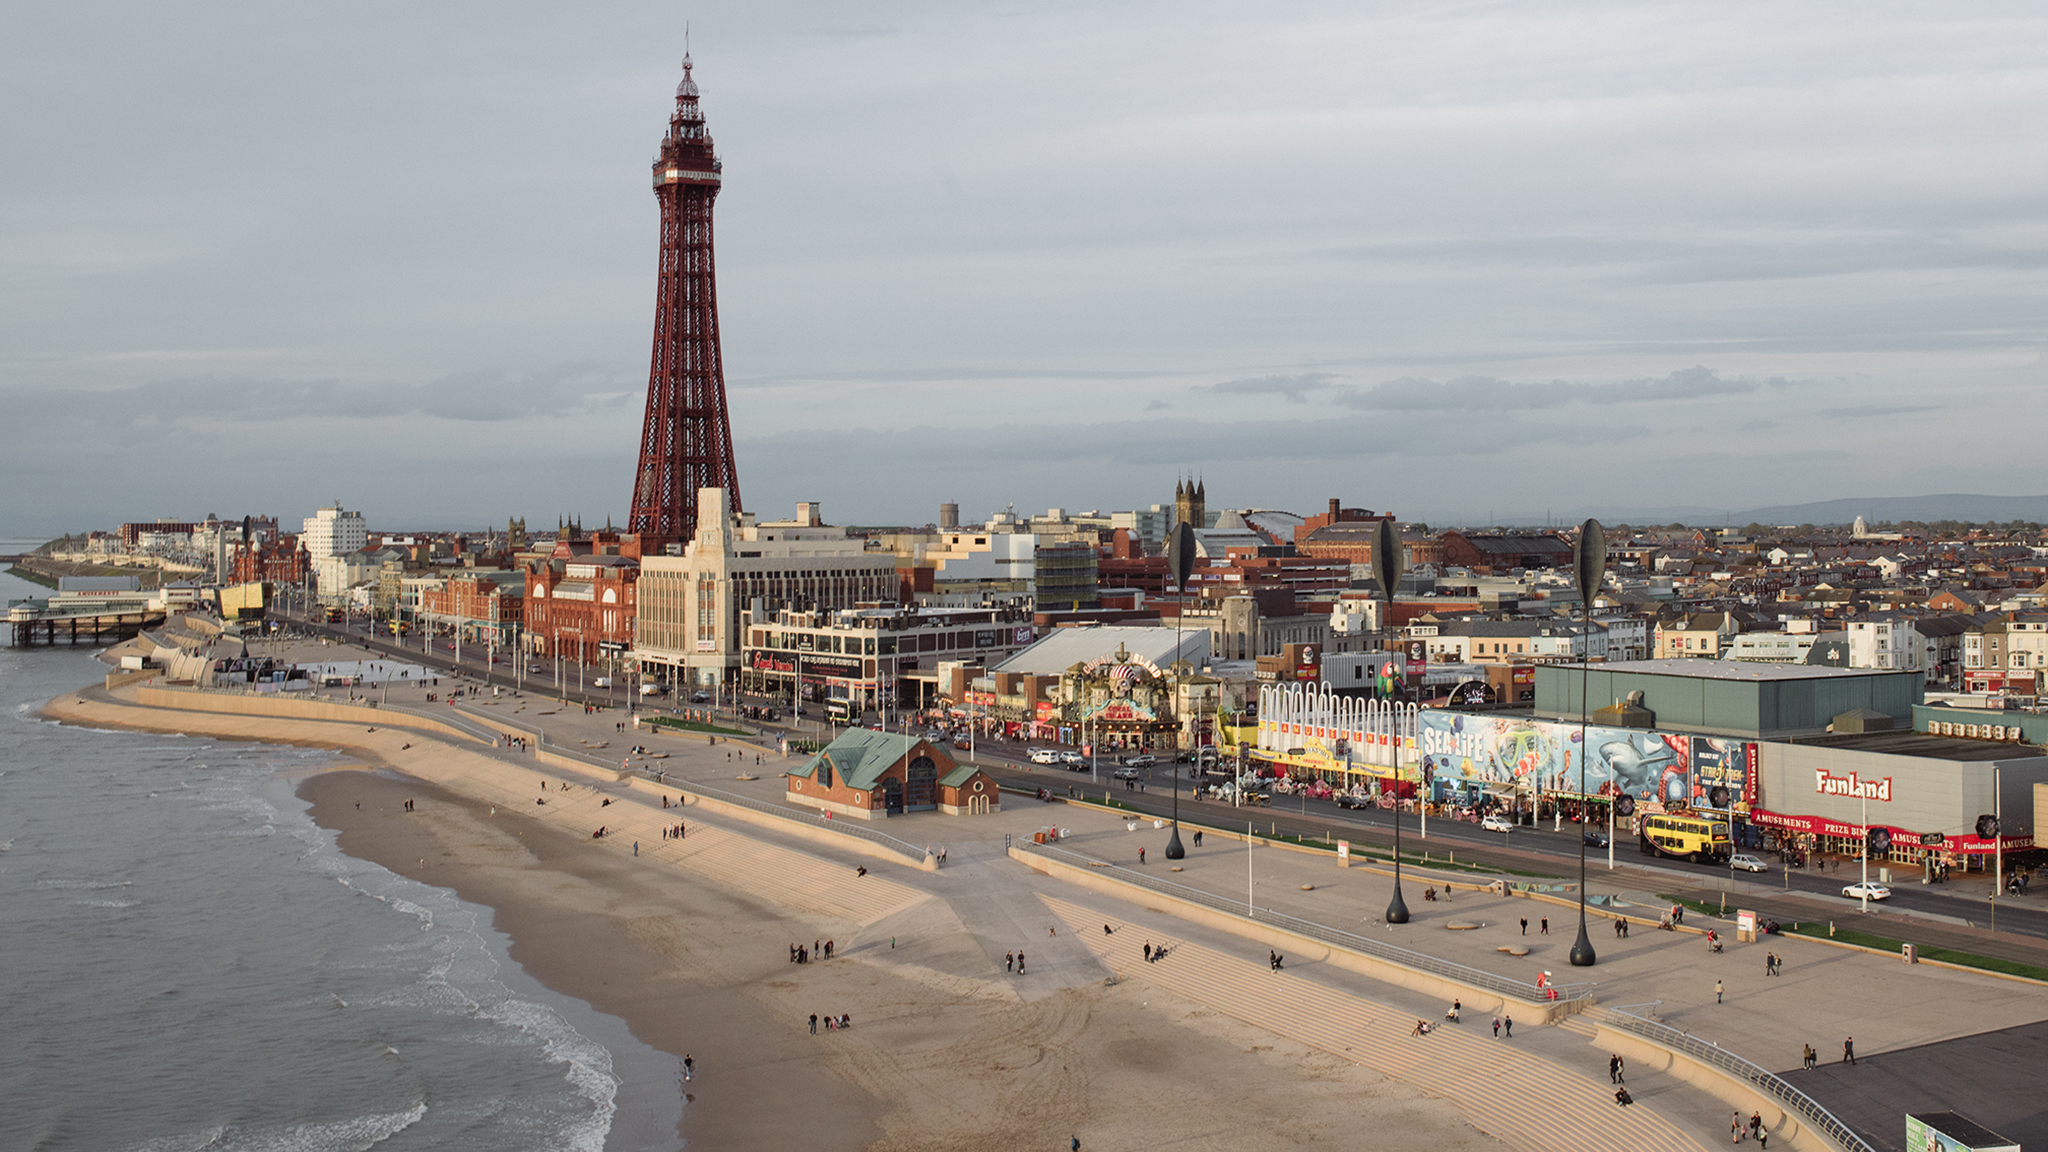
pixel 686 438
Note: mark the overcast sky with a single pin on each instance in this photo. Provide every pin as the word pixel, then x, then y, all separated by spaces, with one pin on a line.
pixel 1458 260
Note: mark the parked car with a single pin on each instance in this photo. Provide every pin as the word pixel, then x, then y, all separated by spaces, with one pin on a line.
pixel 1141 760
pixel 1747 863
pixel 1495 822
pixel 1862 889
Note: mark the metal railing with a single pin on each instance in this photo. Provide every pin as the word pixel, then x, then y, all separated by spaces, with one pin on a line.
pixel 1764 1080
pixel 1337 937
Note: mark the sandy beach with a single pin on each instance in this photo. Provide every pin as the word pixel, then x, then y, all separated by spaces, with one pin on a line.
pixel 942 1053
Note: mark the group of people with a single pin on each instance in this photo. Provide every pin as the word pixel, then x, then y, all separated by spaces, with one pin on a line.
pixel 1754 1126
pixel 832 1023
pixel 798 954
pixel 1274 959
pixel 1154 954
pixel 1014 962
pixel 673 832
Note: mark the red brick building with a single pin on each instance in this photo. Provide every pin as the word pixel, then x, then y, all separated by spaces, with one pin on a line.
pixel 277 561
pixel 483 605
pixel 1499 552
pixel 577 604
pixel 872 774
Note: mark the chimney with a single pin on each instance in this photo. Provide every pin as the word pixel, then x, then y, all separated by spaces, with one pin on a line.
pixel 1333 509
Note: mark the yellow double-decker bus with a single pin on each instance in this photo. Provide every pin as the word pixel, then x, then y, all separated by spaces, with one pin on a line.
pixel 1689 837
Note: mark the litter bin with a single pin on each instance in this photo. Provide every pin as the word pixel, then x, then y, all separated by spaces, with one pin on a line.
pixel 1909 953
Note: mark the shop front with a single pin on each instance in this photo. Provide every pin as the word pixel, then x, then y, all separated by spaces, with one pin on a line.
pixel 1939 813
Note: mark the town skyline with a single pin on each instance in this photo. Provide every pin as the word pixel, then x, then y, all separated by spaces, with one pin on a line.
pixel 1759 261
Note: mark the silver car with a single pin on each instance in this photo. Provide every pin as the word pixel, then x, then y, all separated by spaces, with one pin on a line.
pixel 1747 863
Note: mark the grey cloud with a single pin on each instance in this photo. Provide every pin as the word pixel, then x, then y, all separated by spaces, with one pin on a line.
pixel 1865 411
pixel 1414 393
pixel 1292 387
pixel 478 396
pixel 1157 405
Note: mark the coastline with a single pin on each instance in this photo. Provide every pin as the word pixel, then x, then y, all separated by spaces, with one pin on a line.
pixel 690 952
pixel 606 933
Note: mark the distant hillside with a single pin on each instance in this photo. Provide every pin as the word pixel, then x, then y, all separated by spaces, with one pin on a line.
pixel 1951 506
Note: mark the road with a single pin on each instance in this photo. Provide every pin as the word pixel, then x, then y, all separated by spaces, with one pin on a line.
pixel 1526 849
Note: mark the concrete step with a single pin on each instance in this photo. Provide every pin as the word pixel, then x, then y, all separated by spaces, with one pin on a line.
pixel 1520 1097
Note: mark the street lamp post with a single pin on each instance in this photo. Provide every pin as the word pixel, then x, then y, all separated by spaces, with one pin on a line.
pixel 1589 568
pixel 1386 564
pixel 1180 560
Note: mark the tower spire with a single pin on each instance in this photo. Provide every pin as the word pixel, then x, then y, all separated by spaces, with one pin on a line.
pixel 686 436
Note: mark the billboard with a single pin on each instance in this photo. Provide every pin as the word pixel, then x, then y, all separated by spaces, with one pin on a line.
pixel 1468 751
pixel 1723 773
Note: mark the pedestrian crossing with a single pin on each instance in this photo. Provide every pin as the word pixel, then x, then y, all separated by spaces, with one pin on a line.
pixel 1521 1098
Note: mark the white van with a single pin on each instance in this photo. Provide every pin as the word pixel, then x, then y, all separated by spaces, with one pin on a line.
pixel 1044 756
pixel 651 690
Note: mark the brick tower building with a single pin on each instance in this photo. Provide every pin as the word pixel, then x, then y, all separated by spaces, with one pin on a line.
pixel 686 437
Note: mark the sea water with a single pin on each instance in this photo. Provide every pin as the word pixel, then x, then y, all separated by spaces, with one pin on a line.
pixel 188 962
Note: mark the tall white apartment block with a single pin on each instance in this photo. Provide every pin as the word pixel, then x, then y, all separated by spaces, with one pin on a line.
pixel 333 532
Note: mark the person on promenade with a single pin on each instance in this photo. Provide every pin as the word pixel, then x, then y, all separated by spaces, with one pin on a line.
pixel 1717 991
pixel 1507 1026
pixel 1010 959
pixel 1525 925
pixel 1496 1027
pixel 1614 1069
pixel 1849 1050
pixel 1810 1059
pixel 1198 838
pixel 1545 931
pixel 1421 1028
pixel 1735 1129
pixel 1020 961
pixel 1141 855
pixel 1756 1123
pixel 1457 1006
pixel 1622 1097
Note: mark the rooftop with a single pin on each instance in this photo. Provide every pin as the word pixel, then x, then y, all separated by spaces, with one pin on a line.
pixel 1909 743
pixel 1695 669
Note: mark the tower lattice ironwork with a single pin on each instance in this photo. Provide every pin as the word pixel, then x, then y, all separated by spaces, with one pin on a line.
pixel 686 438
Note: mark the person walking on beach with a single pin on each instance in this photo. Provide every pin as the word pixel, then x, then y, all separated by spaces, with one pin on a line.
pixel 828 949
pixel 814 1023
pixel 689 1066
pixel 1717 991
pixel 1849 1050
pixel 1020 961
pixel 1009 961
